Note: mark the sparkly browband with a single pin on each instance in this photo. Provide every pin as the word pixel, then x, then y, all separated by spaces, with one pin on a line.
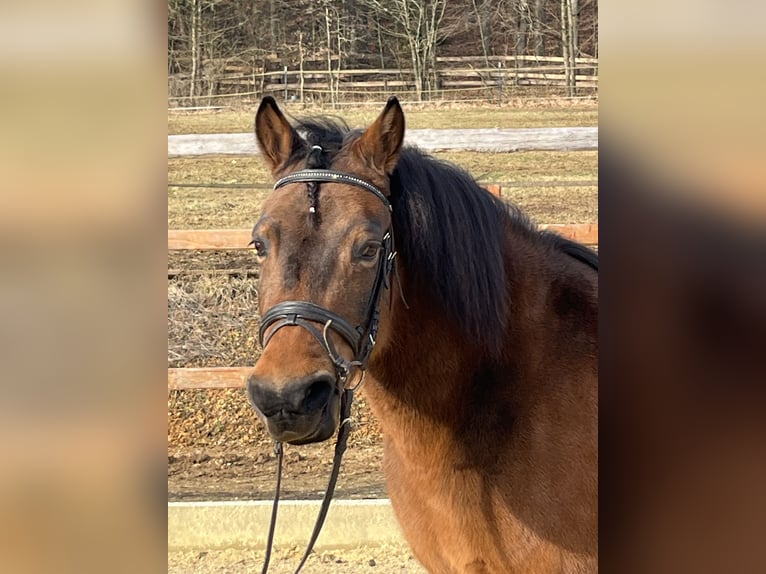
pixel 326 175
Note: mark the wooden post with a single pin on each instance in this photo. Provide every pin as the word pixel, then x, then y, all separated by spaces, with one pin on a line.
pixel 329 54
pixel 262 86
pixel 254 84
pixel 196 29
pixel 500 83
pixel 300 54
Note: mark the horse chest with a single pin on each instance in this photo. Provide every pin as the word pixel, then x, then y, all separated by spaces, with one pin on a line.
pixel 458 521
pixel 439 510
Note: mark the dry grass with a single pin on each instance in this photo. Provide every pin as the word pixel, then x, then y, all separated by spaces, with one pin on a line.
pixel 212 321
pixel 556 204
pixel 557 113
pixel 215 208
pixel 200 208
pixel 527 166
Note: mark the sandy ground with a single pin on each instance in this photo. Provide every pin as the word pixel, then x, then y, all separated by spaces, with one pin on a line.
pixel 381 560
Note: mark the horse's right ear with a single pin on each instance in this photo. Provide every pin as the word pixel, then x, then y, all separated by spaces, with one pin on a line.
pixel 277 139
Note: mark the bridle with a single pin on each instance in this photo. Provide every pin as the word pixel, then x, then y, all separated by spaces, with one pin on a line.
pixel 305 314
pixel 361 339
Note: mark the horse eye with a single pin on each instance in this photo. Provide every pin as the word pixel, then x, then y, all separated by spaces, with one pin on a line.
pixel 260 248
pixel 369 251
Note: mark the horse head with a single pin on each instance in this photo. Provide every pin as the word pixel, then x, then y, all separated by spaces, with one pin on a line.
pixel 325 247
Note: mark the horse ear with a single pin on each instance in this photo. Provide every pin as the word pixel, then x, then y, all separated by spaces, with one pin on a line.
pixel 380 143
pixel 277 139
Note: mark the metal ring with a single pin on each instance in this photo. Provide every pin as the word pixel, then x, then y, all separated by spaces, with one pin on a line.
pixel 358 384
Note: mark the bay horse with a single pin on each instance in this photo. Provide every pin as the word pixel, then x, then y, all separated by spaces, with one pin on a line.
pixel 477 333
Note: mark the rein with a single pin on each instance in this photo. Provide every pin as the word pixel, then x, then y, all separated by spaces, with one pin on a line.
pixel 361 339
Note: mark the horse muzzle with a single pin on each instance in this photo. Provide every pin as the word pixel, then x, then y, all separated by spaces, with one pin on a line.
pixel 301 411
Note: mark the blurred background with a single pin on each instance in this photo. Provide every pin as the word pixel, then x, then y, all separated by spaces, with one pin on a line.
pixel 82 332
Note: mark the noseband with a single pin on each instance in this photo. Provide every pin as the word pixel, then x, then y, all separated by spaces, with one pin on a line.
pixel 361 339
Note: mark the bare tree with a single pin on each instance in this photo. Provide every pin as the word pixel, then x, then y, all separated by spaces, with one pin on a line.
pixel 207 39
pixel 484 26
pixel 418 23
pixel 196 29
pixel 568 46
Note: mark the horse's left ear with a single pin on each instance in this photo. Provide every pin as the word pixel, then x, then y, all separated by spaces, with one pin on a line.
pixel 380 143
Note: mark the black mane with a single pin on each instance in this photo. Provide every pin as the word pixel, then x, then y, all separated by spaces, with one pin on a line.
pixel 450 230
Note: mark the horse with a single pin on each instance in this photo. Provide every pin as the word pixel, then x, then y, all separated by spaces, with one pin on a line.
pixel 475 334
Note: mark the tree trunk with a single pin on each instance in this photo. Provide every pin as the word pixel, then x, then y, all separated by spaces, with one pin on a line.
pixel 574 6
pixel 300 64
pixel 336 82
pixel 412 33
pixel 539 22
pixel 482 37
pixel 273 23
pixel 572 47
pixel 196 26
pixel 522 25
pixel 329 54
pixel 380 45
pixel 567 48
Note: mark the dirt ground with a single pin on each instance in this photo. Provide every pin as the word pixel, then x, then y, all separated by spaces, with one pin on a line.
pixel 381 560
pixel 211 462
pixel 221 452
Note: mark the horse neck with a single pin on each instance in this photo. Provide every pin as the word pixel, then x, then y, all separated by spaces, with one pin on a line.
pixel 428 360
pixel 429 365
pixel 424 360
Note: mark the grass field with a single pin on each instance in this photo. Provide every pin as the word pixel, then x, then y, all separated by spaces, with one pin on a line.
pixel 199 207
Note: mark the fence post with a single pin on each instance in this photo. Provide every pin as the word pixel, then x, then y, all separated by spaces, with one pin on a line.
pixel 500 83
pixel 285 81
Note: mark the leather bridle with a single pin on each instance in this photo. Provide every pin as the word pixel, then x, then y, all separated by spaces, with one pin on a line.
pixel 361 339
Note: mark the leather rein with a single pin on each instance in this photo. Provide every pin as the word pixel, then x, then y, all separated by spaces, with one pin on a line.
pixel 361 339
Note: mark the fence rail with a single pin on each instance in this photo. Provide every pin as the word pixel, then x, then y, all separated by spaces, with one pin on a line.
pixel 491 77
pixel 207 378
pixel 430 140
pixel 212 239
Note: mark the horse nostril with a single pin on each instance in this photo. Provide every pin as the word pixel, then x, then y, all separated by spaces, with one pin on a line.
pixel 262 396
pixel 318 393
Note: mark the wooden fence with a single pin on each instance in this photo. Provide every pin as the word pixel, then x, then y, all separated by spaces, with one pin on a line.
pixel 430 140
pixel 235 377
pixel 491 77
pixel 211 239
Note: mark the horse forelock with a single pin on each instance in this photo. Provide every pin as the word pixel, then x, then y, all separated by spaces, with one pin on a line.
pixel 330 133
